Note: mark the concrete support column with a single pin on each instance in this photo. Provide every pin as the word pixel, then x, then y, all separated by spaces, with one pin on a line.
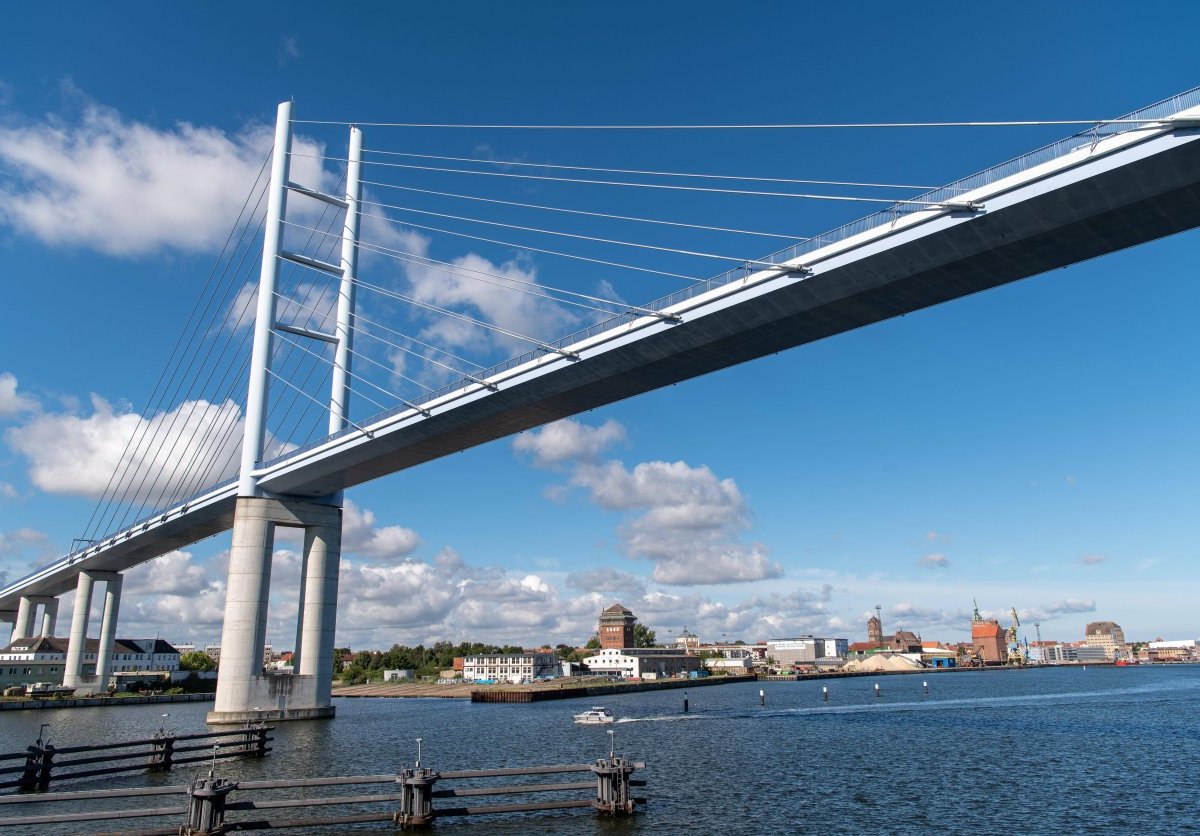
pixel 49 617
pixel 77 643
pixel 8 617
pixel 24 624
pixel 248 588
pixel 245 692
pixel 322 560
pixel 108 630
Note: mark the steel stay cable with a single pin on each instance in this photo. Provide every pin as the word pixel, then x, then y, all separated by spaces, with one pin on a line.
pixel 162 429
pixel 358 318
pixel 797 238
pixel 1022 123
pixel 336 365
pixel 317 402
pixel 460 316
pixel 577 236
pixel 541 250
pixel 185 480
pixel 169 431
pixel 151 404
pixel 663 186
pixel 121 495
pixel 649 173
pixel 375 362
pixel 216 451
pixel 449 268
pixel 426 261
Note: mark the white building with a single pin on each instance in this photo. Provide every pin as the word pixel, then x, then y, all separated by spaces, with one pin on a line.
pixel 807 650
pixel 42 659
pixel 509 667
pixel 641 662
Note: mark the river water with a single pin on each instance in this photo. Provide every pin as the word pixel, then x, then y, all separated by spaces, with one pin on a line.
pixel 1038 751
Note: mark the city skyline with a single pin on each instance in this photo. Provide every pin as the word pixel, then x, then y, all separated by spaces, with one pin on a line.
pixel 1029 447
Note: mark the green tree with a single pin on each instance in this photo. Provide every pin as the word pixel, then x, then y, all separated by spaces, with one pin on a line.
pixel 593 643
pixel 643 636
pixel 196 660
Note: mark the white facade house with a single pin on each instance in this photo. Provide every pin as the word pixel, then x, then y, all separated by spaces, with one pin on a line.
pixel 641 662
pixel 807 649
pixel 509 667
pixel 43 659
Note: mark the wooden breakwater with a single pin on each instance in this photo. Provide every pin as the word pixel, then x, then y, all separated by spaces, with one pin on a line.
pixel 411 799
pixel 517 695
pixel 25 703
pixel 44 762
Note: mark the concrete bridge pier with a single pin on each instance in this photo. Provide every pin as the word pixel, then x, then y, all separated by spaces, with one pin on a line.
pixel 8 617
pixel 245 691
pixel 49 616
pixel 73 676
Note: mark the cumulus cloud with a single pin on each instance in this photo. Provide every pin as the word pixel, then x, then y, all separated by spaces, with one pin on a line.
pixel 12 402
pixel 568 440
pixel 605 579
pixel 934 536
pixel 1067 606
pixel 934 561
pixel 685 520
pixel 362 537
pixel 126 188
pixel 77 454
pixel 1092 559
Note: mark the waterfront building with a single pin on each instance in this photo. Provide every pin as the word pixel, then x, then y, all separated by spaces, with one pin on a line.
pixel 1106 635
pixel 509 667
pixel 989 641
pixel 726 664
pixel 874 631
pixel 642 662
pixel 687 642
pixel 43 659
pixel 616 627
pixel 808 650
pixel 1179 650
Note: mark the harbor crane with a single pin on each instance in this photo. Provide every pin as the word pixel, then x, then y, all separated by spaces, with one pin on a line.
pixel 1015 655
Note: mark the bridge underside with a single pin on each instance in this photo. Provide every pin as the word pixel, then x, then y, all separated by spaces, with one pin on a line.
pixel 1135 203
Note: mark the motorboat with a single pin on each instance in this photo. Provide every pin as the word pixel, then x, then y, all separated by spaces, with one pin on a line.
pixel 595 715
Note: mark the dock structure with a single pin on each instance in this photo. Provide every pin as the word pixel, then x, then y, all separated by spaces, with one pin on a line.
pixel 42 763
pixel 204 806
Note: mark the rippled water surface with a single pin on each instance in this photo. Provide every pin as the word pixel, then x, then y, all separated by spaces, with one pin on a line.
pixel 1055 751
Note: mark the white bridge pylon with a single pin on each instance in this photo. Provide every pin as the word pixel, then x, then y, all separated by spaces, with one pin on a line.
pixel 1125 183
pixel 244 690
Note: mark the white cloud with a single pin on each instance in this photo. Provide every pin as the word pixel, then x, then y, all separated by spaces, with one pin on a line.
pixel 7 491
pixel 360 536
pixel 12 402
pixel 1092 559
pixel 126 188
pixel 568 440
pixel 688 522
pixel 78 454
pixel 934 561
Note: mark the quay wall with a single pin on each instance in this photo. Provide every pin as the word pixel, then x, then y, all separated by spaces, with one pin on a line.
pixel 89 702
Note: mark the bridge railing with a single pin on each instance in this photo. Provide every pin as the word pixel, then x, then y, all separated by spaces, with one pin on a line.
pixel 883 217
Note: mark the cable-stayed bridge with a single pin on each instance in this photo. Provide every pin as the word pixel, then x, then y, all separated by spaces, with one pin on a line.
pixel 219 455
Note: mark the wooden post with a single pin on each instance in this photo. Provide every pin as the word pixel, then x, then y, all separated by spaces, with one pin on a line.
pixel 416 798
pixel 206 810
pixel 47 765
pixel 33 761
pixel 162 754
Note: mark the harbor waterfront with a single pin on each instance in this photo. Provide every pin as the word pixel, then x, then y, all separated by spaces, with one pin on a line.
pixel 1035 750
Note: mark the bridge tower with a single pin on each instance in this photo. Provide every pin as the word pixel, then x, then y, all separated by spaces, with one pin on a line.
pixel 245 691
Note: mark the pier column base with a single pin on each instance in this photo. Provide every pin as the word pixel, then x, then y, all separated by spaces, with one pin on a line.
pixel 245 692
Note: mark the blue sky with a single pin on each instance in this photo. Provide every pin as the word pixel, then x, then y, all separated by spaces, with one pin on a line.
pixel 1033 446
